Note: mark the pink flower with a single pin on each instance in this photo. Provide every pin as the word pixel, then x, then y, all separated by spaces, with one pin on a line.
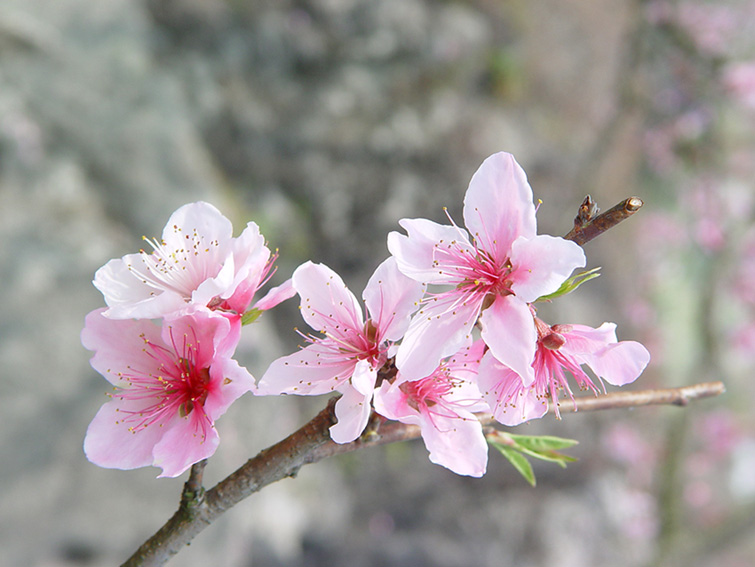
pixel 353 349
pixel 170 385
pixel 442 404
pixel 559 348
pixel 502 268
pixel 739 80
pixel 197 261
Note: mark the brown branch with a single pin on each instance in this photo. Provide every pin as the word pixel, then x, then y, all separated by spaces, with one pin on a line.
pixel 392 432
pixel 279 461
pixel 667 396
pixel 587 227
pixel 312 443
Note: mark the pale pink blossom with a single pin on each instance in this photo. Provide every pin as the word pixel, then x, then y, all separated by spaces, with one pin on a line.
pixel 560 348
pixel 347 358
pixel 493 275
pixel 170 384
pixel 710 25
pixel 739 81
pixel 442 404
pixel 198 261
pixel 744 278
pixel 744 339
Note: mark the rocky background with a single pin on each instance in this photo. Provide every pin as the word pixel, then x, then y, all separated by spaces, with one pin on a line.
pixel 326 121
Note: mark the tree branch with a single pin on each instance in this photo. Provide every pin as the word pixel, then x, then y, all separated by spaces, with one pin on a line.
pixel 312 443
pixel 279 461
pixel 587 226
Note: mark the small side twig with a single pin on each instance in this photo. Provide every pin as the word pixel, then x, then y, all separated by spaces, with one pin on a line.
pixel 193 493
pixel 587 227
pixel 665 396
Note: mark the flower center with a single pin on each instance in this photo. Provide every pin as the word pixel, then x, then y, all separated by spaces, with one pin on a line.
pixel 177 387
pixel 180 269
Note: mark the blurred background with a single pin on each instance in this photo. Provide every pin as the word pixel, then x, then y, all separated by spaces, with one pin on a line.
pixel 326 121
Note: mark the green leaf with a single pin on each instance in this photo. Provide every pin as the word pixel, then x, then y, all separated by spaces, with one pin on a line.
pixel 516 448
pixel 571 284
pixel 250 316
pixel 543 442
pixel 519 462
pixel 543 447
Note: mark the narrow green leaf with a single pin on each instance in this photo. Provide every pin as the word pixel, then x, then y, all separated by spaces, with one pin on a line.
pixel 571 284
pixel 250 316
pixel 519 462
pixel 543 442
pixel 550 456
pixel 543 447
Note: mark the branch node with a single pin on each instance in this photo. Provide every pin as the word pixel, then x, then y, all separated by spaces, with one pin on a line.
pixel 586 212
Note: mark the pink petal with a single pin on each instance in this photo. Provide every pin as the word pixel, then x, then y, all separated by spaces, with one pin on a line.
pixel 251 257
pixel 438 330
pixel 326 302
pixel 467 396
pixel 118 344
pixel 188 441
pixel 509 331
pixel 109 443
pixel 363 378
pixel 391 402
pixel 391 298
pixel 353 412
pixel 128 297
pixel 511 403
pixel 417 254
pixel 230 381
pixel 196 328
pixel 498 205
pixel 219 285
pixel 201 217
pixel 276 295
pixel 619 363
pixel 309 371
pixel 581 339
pixel 203 240
pixel 542 263
pixel 464 363
pixel 457 444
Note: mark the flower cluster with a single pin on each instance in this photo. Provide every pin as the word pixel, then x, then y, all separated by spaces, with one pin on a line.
pixel 449 330
pixel 167 338
pixel 486 277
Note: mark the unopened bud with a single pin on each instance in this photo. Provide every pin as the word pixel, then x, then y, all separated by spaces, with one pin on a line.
pixel 553 341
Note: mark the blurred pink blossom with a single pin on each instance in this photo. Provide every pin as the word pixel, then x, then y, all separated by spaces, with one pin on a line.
pixel 739 80
pixel 624 444
pixel 710 25
pixel 719 433
pixel 710 218
pixel 744 278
